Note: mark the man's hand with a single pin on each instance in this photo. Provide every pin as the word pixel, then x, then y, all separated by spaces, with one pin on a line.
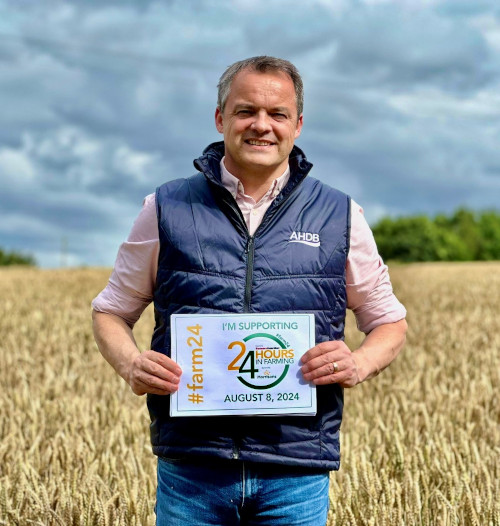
pixel 333 362
pixel 154 373
pixel 318 365
pixel 147 372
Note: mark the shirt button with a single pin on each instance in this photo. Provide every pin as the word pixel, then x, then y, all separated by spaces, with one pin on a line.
pixel 254 212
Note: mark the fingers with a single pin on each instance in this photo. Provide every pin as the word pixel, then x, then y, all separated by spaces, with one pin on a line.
pixel 323 355
pixel 154 373
pixel 161 388
pixel 160 364
pixel 326 373
pixel 330 362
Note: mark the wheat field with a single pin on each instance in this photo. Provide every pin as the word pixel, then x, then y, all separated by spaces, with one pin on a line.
pixel 420 443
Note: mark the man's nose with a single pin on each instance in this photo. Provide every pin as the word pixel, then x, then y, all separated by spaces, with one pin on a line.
pixel 261 123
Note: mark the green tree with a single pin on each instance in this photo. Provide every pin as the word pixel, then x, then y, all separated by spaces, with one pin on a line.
pixel 464 224
pixel 15 258
pixel 489 242
pixel 418 238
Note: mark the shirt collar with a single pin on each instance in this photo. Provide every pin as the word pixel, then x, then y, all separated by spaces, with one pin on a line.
pixel 235 186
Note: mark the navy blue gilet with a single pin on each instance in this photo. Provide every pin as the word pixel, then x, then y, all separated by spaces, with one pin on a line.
pixel 209 263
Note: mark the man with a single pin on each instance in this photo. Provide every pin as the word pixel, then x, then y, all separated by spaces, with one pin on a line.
pixel 221 241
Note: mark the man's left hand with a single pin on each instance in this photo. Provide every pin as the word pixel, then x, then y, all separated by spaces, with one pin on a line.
pixel 329 363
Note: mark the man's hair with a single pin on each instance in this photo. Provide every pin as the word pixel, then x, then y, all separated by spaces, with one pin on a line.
pixel 262 64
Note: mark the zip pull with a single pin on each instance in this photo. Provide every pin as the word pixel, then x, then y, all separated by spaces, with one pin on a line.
pixel 248 245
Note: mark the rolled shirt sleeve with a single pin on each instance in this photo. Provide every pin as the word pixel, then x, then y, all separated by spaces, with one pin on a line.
pixel 369 289
pixel 131 285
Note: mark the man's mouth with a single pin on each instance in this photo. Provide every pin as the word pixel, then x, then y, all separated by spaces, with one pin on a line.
pixel 259 142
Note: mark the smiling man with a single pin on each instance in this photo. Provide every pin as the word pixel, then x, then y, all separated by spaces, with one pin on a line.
pixel 260 122
pixel 251 232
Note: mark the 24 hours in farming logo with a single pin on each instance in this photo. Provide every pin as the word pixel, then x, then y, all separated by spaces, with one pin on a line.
pixel 242 364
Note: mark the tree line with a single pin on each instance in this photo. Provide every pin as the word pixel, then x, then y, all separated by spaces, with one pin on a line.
pixel 15 258
pixel 463 236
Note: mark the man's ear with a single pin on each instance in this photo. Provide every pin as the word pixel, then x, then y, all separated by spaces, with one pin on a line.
pixel 218 121
pixel 298 129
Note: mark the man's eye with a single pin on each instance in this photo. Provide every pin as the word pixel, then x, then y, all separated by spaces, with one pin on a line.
pixel 279 116
pixel 244 112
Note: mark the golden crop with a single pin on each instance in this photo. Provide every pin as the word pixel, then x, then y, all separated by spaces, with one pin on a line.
pixel 420 443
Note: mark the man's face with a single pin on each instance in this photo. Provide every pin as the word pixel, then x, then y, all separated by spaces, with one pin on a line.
pixel 259 123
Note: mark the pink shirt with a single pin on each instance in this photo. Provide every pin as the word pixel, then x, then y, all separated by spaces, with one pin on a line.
pixel 132 282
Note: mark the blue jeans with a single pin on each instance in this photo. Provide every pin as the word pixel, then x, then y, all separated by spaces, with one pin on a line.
pixel 231 493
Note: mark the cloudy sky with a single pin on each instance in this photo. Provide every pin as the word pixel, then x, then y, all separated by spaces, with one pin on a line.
pixel 101 101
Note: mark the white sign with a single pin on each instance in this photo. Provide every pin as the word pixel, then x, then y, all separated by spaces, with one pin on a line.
pixel 242 364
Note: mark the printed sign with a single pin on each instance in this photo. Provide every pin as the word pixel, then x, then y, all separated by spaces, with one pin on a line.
pixel 242 364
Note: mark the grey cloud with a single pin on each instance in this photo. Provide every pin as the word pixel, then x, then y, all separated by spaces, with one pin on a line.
pixel 411 47
pixel 288 34
pixel 417 166
pixel 68 160
pixel 466 8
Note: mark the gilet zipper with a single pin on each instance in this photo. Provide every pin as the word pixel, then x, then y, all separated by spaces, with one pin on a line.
pixel 250 252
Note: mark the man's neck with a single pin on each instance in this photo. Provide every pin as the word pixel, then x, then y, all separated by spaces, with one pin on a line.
pixel 256 185
pixel 256 188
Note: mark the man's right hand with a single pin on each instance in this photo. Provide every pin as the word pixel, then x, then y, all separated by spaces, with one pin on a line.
pixel 147 372
pixel 154 373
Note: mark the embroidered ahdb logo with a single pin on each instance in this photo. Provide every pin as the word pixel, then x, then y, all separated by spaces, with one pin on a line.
pixel 307 238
